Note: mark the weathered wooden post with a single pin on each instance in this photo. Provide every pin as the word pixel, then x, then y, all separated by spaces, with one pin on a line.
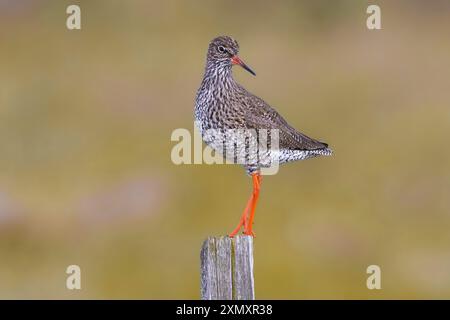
pixel 227 268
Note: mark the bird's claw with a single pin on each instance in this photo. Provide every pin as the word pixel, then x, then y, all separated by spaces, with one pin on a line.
pixel 249 233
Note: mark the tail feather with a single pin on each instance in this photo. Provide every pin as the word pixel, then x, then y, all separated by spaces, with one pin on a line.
pixel 324 151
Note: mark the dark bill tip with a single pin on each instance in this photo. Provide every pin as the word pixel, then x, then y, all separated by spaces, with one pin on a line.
pixel 248 69
pixel 238 61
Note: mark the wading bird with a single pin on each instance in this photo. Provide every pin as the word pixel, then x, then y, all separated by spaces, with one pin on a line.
pixel 223 105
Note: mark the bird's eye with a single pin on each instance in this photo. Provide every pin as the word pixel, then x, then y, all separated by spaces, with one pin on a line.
pixel 221 49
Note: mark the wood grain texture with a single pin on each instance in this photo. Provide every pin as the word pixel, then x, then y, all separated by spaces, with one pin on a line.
pixel 227 268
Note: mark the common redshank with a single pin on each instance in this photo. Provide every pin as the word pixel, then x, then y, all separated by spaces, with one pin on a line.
pixel 223 106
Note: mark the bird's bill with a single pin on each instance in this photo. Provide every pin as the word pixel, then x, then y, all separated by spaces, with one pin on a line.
pixel 238 61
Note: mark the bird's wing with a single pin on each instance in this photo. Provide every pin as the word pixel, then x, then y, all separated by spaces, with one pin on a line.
pixel 259 115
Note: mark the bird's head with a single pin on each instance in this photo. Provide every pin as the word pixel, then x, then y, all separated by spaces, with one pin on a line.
pixel 224 51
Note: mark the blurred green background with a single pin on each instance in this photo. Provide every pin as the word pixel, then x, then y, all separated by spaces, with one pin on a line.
pixel 86 176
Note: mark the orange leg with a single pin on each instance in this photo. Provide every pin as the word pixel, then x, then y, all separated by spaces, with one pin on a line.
pixel 256 187
pixel 244 218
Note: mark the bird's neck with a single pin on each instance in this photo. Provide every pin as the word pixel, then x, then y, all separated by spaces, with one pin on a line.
pixel 218 75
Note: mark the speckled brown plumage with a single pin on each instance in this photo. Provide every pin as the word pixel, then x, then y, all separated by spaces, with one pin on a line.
pixel 223 104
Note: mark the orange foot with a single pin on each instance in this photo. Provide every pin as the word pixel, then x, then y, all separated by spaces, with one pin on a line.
pixel 250 233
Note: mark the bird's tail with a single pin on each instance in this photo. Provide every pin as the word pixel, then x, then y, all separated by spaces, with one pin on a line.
pixel 324 151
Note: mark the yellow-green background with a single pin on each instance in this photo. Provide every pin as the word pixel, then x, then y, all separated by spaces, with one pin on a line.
pixel 86 176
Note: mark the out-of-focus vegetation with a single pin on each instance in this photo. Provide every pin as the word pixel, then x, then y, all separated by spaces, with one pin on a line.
pixel 85 170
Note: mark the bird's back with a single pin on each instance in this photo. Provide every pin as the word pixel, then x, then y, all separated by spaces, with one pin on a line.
pixel 260 115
